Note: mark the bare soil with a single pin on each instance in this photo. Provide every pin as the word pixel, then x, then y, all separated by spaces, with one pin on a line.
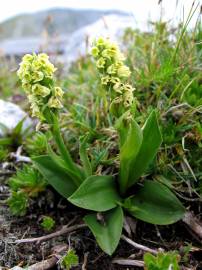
pixel 172 237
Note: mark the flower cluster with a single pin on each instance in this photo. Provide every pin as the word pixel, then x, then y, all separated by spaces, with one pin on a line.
pixel 36 73
pixel 114 74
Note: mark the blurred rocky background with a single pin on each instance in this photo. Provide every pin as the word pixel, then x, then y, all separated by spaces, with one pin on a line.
pixel 59 31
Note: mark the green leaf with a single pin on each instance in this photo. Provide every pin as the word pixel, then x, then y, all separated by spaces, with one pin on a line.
pixel 84 156
pixel 156 204
pixel 6 141
pixel 18 128
pixel 96 193
pixel 108 233
pixel 55 175
pixel 151 141
pixel 131 140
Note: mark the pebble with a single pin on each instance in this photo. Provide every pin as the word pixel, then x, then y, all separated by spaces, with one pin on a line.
pixel 10 115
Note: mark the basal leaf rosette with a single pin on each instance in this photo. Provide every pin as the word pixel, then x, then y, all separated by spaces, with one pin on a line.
pixel 114 75
pixel 36 73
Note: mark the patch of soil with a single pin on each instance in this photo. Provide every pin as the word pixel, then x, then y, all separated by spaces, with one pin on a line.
pixel 173 237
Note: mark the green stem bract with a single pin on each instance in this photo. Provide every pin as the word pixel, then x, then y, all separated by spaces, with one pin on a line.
pixel 53 120
pixel 84 156
pixel 64 151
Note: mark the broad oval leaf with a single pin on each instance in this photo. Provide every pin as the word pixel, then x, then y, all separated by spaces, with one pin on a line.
pixel 96 193
pixel 156 204
pixel 108 233
pixel 55 175
pixel 151 141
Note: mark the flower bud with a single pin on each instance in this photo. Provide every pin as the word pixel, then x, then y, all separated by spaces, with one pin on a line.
pixel 58 92
pixel 95 51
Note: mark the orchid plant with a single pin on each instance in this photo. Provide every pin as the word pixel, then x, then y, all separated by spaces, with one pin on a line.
pixel 109 195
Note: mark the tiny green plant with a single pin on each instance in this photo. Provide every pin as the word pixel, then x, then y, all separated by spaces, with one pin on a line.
pixel 162 261
pixel 79 182
pixel 47 223
pixel 69 260
pixel 25 184
pixel 37 144
pixel 18 203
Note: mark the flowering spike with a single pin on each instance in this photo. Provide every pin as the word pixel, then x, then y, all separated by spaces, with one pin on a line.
pixel 113 73
pixel 36 73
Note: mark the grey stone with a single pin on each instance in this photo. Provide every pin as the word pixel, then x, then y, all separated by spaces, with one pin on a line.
pixel 10 115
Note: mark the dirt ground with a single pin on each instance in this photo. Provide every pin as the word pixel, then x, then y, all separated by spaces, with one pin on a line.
pixel 173 237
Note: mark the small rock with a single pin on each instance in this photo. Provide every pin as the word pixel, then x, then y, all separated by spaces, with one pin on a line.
pixel 10 115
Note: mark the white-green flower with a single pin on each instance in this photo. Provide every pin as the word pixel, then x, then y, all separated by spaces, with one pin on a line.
pixel 27 58
pixel 115 80
pixel 114 74
pixel 58 92
pixel 123 71
pixel 100 41
pixel 54 103
pixel 36 73
pixel 118 88
pixel 105 80
pixel 40 90
pixel 128 99
pixel 100 62
pixel 112 69
pixel 37 76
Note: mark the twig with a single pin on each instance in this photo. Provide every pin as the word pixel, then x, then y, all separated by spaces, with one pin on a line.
pixel 189 199
pixel 189 168
pixel 138 246
pixel 44 265
pixel 176 107
pixel 194 224
pixel 50 262
pixel 57 252
pixel 128 262
pixel 64 230
pixel 85 260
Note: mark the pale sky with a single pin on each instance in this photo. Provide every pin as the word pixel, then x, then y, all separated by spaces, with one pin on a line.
pixel 142 9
